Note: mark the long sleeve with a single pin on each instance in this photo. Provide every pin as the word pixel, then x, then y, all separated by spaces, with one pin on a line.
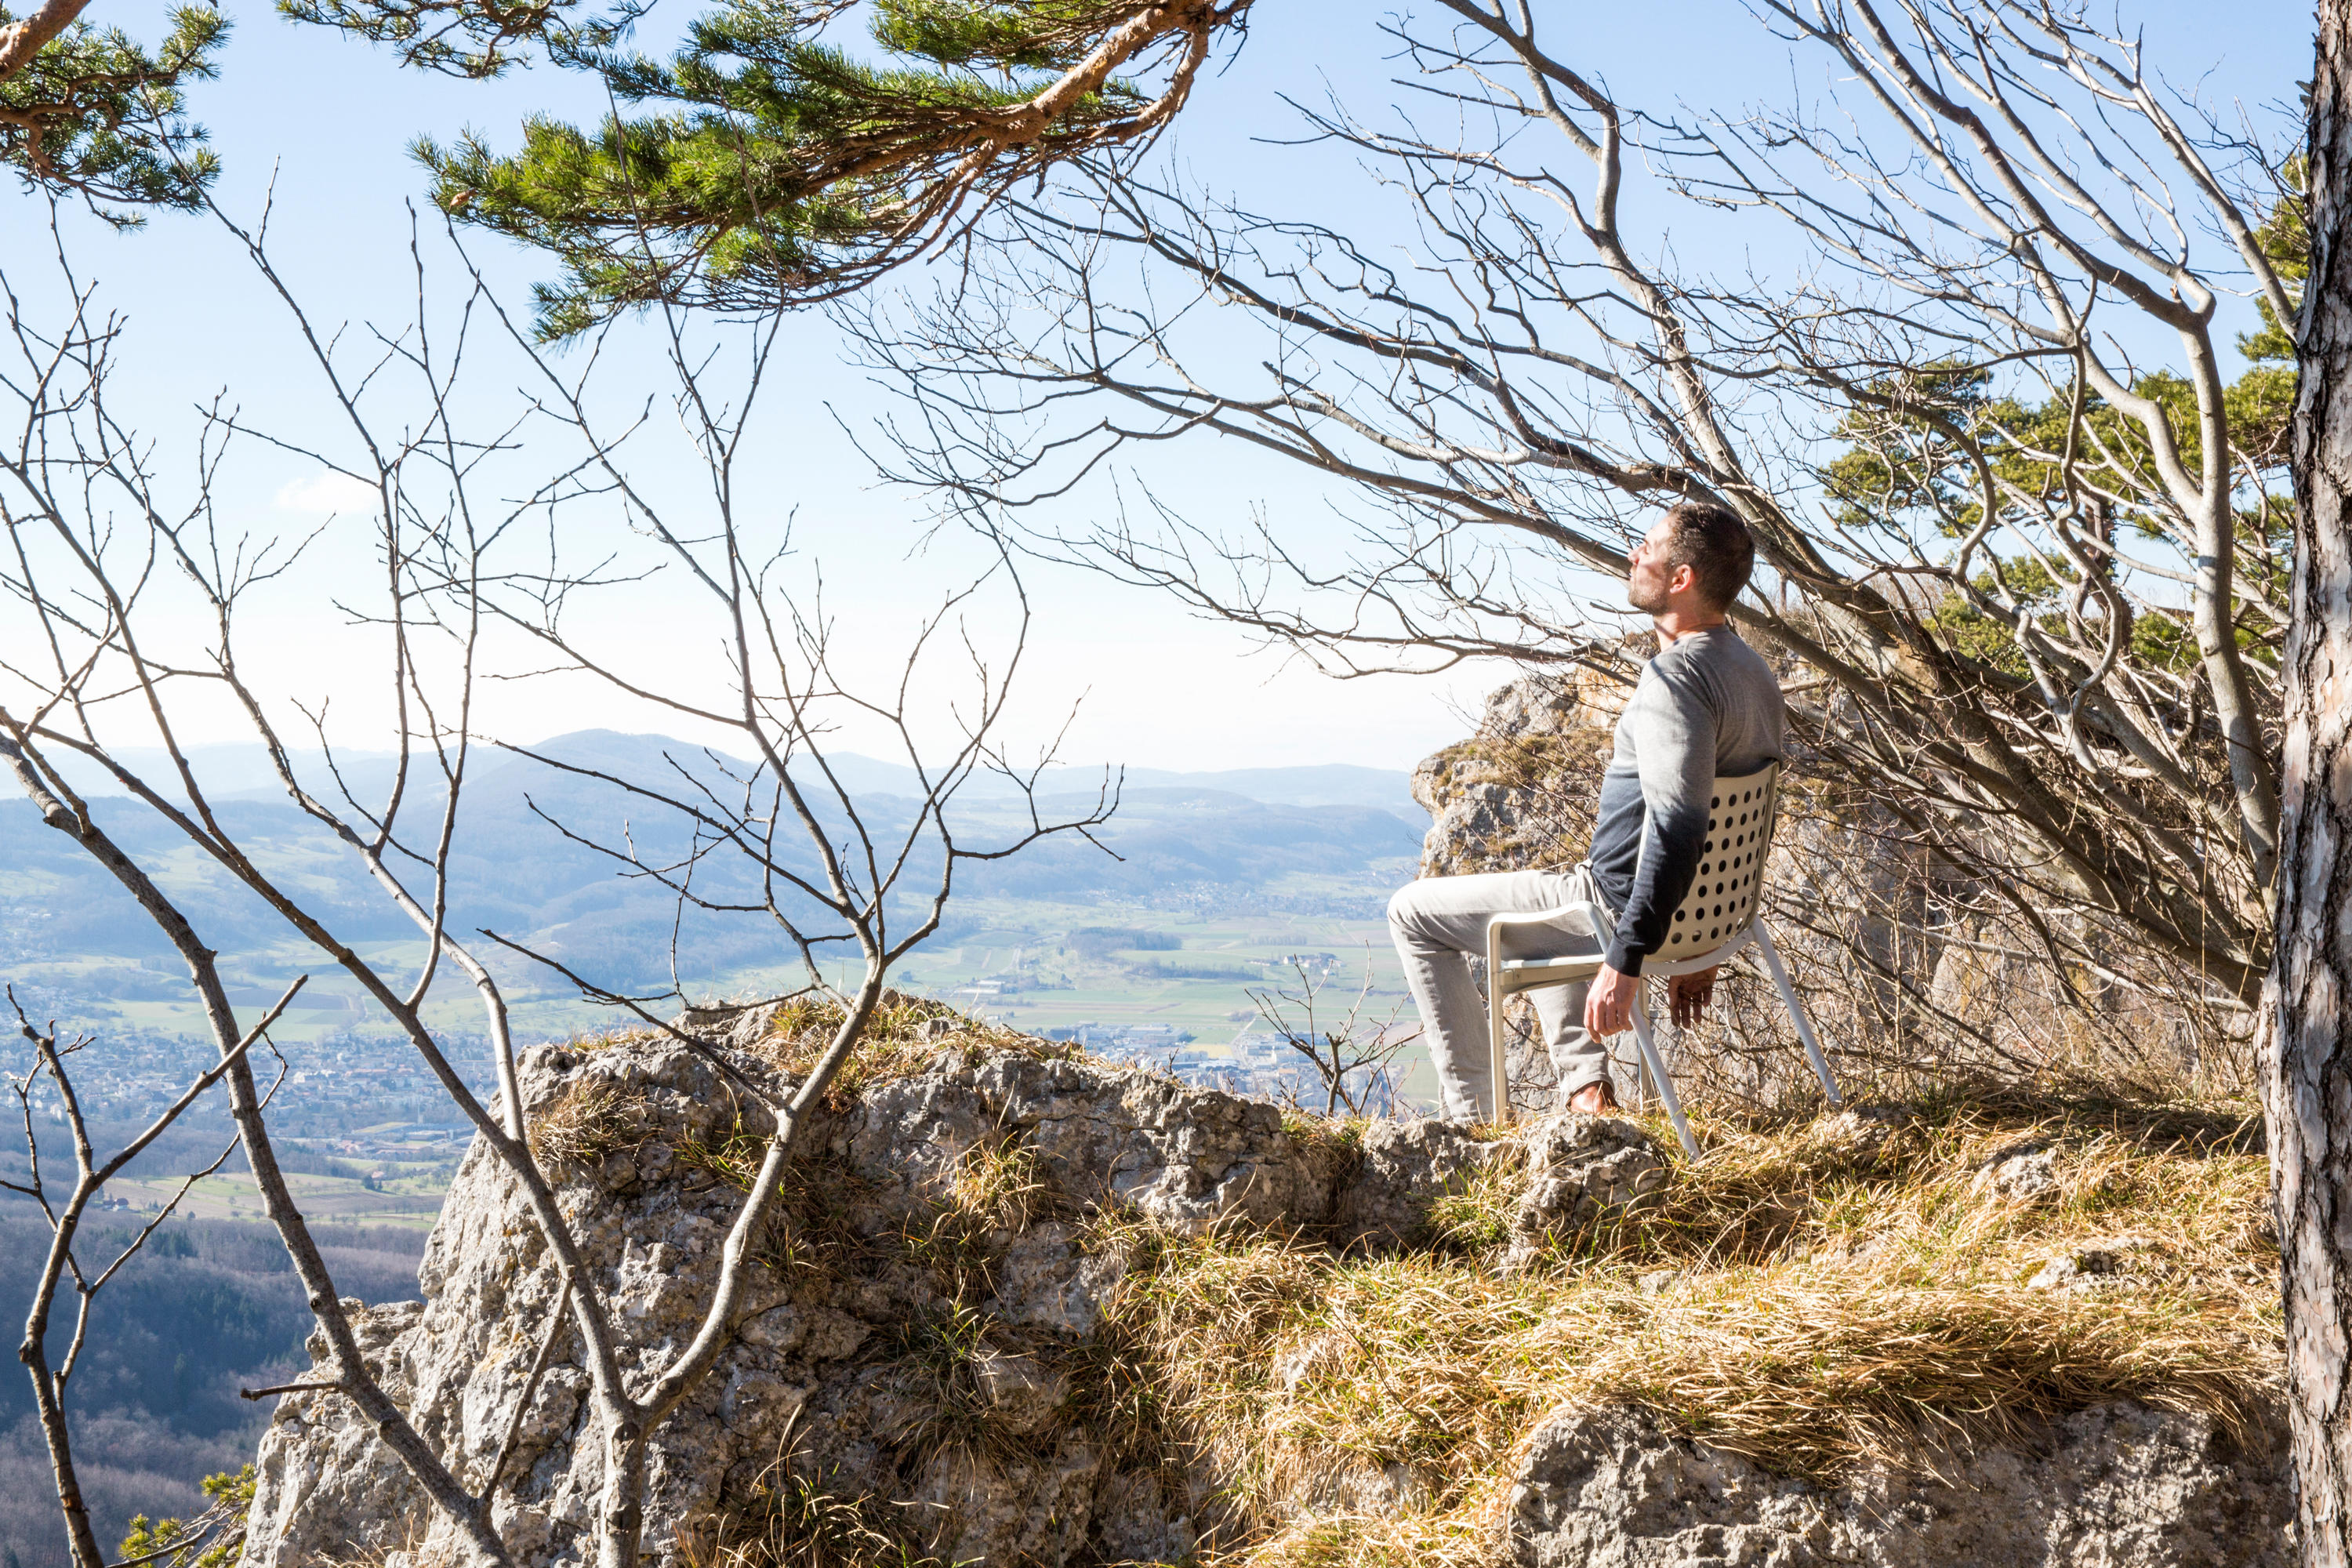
pixel 1673 731
pixel 1706 708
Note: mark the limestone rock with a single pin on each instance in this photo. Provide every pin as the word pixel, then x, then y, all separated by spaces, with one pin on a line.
pixel 855 1361
pixel 2116 1263
pixel 1519 792
pixel 2117 1485
pixel 2021 1172
pixel 735 1024
pixel 1404 1165
pixel 1022 1393
pixel 325 1487
pixel 1867 1130
pixel 1580 1168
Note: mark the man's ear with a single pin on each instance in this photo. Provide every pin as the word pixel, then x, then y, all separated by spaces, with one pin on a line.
pixel 1685 579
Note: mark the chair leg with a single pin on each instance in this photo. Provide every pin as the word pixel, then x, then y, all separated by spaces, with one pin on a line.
pixel 1498 1073
pixel 1797 1014
pixel 1665 1084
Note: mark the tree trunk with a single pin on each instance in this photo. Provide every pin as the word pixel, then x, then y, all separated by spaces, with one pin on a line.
pixel 2309 1097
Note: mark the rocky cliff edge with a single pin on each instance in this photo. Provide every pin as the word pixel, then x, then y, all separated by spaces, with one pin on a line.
pixel 932 1359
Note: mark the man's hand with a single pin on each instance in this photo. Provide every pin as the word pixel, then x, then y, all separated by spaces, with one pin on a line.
pixel 1687 997
pixel 1608 1002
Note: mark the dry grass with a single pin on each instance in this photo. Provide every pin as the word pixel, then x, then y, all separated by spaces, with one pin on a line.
pixel 901 1037
pixel 813 1228
pixel 1817 1300
pixel 1335 1135
pixel 998 1186
pixel 588 1123
pixel 935 1359
pixel 995 1189
pixel 785 1520
pixel 590 1041
pixel 1813 1304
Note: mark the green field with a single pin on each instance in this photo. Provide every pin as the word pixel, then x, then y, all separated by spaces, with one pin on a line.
pixel 1034 966
pixel 410 1196
pixel 1187 959
pixel 1054 976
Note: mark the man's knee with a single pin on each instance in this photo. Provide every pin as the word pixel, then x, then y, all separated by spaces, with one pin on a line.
pixel 1421 918
pixel 1404 912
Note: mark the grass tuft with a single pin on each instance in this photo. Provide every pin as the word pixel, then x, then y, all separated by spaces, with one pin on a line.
pixel 587 1124
pixel 814 1229
pixel 937 1355
pixel 1000 1186
pixel 1476 1217
pixel 784 1520
pixel 901 1039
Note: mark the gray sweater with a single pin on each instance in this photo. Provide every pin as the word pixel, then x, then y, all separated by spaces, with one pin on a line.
pixel 1707 706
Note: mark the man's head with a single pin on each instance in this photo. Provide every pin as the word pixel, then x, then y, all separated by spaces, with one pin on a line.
pixel 1696 558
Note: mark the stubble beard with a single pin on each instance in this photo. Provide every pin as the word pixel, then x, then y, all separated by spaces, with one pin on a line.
pixel 1650 602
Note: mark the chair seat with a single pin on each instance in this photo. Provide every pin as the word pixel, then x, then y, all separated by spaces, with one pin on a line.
pixel 1569 961
pixel 1568 964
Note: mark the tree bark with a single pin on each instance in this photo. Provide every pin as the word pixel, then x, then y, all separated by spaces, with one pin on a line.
pixel 20 41
pixel 2309 1099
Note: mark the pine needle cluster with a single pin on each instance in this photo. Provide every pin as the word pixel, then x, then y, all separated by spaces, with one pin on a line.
pixel 96 113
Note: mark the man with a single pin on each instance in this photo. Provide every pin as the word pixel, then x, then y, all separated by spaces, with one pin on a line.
pixel 1707 706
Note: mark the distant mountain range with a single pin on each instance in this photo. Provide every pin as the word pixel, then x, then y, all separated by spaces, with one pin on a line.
pixel 1226 837
pixel 244 770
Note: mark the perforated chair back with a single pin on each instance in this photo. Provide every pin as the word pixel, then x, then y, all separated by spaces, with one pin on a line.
pixel 1722 899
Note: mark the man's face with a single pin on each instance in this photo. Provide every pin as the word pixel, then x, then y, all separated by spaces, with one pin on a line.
pixel 1648 582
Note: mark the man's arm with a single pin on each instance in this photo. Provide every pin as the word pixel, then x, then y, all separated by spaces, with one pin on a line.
pixel 1673 736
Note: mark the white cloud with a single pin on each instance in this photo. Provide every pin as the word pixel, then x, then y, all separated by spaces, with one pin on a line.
pixel 325 492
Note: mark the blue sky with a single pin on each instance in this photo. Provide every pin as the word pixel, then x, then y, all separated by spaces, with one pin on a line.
pixel 319 125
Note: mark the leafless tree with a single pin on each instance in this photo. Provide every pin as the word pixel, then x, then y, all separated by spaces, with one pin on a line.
pixel 1351 1057
pixel 782 700
pixel 65 1267
pixel 2020 522
pixel 105 549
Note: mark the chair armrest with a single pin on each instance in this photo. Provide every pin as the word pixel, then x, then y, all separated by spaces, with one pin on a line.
pixel 1594 919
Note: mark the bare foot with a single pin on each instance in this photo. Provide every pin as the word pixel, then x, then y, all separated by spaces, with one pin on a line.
pixel 1593 1099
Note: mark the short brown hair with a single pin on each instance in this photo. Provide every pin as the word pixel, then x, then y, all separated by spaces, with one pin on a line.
pixel 1715 544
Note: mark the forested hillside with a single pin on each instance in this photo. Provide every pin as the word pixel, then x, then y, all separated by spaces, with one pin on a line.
pixel 205 1309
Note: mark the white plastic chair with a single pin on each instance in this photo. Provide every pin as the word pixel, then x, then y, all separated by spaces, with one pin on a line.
pixel 1717 920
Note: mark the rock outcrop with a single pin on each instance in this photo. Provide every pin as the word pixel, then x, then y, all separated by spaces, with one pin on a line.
pixel 1520 792
pixel 2117 1485
pixel 1579 1169
pixel 920 1337
pixel 930 1345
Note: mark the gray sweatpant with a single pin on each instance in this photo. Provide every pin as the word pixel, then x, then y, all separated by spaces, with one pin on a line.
pixel 1439 923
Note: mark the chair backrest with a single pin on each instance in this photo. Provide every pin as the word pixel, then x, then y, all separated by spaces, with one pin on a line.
pixel 1722 898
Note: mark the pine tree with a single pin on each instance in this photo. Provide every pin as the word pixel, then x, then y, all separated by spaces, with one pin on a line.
pixel 763 162
pixel 772 165
pixel 94 112
pixel 2309 1094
